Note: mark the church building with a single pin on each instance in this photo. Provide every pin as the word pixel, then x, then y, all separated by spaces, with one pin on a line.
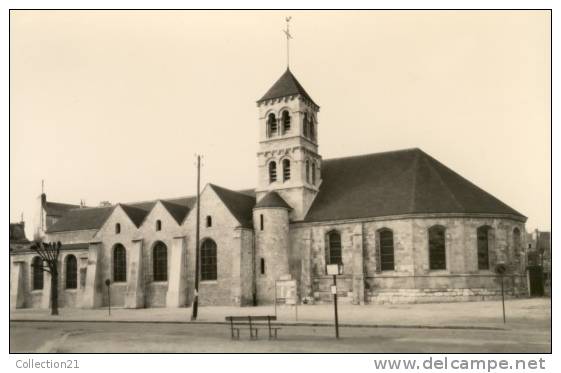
pixel 404 227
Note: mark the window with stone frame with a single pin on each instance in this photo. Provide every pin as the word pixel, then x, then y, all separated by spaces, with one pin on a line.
pixel 285 121
pixel 286 170
pixel 307 171
pixel 313 166
pixel 158 225
pixel 272 171
pixel 119 263
pixel 208 261
pixel 312 129
pixel 160 262
pixel 209 221
pixel 334 253
pixel 71 271
pixel 117 228
pixel 262 265
pixel 516 243
pixel 437 248
pixel 37 272
pixel 272 126
pixel 385 237
pixel 305 125
pixel 483 247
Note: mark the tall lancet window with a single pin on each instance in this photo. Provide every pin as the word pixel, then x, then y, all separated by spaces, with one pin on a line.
pixel 272 127
pixel 312 129
pixel 272 172
pixel 307 171
pixel 305 127
pixel 314 173
pixel 285 121
pixel 285 170
pixel 483 247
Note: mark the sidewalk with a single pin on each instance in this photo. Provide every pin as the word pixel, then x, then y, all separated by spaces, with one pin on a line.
pixel 534 313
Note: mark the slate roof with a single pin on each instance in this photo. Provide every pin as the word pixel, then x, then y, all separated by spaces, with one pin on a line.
pixel 286 85
pixel 135 213
pixel 240 204
pixel 397 183
pixel 178 211
pixel 82 218
pixel 272 199
pixel 58 209
pixel 94 217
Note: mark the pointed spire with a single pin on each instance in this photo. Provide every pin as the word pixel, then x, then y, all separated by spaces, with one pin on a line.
pixel 286 85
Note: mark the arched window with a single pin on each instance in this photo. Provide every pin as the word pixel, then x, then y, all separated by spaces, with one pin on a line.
pixel 386 250
pixel 272 172
pixel 312 129
pixel 516 243
pixel 305 125
pixel 285 170
pixel 285 121
pixel 160 261
pixel 37 271
pixel 209 221
pixel 314 173
pixel 272 127
pixel 119 263
pixel 117 228
pixel 483 247
pixel 158 225
pixel 437 248
pixel 71 272
pixel 334 254
pixel 307 171
pixel 208 260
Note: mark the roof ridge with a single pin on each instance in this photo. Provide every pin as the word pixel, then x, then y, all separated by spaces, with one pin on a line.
pixel 377 153
pixel 442 182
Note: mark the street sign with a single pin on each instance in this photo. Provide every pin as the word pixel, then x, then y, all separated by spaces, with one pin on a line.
pixel 334 269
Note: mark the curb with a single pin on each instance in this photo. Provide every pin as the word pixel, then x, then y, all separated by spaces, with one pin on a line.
pixel 315 324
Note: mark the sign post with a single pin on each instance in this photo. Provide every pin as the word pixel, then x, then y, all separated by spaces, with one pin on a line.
pixel 334 270
pixel 108 284
pixel 500 269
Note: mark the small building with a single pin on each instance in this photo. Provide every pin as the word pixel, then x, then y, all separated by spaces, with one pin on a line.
pixel 539 262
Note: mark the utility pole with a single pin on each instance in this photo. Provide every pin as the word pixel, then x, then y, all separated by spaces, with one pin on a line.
pixel 197 229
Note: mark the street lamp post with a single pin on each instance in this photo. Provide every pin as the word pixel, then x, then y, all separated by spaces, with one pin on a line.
pixel 501 269
pixel 108 284
pixel 334 270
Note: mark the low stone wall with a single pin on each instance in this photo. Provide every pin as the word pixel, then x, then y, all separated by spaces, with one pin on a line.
pixel 321 287
pixel 404 296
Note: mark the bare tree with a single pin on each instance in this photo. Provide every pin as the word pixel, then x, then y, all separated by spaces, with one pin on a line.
pixel 49 253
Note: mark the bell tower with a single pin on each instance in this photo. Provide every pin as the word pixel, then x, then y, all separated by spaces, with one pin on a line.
pixel 288 158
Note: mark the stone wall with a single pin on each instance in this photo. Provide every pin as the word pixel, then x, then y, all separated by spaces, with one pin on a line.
pixel 411 280
pixel 272 246
pixel 22 281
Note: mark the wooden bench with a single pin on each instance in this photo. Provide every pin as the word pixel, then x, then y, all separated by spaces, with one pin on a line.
pixel 239 322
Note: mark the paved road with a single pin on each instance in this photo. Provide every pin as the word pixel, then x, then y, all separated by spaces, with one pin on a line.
pixel 104 337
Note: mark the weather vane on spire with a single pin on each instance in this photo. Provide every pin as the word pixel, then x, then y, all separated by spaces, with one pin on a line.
pixel 288 37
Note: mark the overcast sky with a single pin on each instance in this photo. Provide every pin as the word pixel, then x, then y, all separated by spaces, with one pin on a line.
pixel 114 105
